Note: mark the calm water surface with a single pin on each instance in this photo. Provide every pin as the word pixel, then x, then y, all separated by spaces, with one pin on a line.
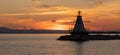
pixel 46 44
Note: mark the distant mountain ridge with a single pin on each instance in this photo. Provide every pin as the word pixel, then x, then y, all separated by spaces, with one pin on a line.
pixel 3 28
pixel 8 30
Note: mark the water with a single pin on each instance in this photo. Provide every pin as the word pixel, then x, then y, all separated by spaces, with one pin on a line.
pixel 46 44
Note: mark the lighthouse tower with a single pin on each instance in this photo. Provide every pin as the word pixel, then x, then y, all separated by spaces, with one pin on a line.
pixel 79 26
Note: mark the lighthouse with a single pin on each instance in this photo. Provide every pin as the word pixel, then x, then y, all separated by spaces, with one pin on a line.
pixel 79 26
pixel 80 34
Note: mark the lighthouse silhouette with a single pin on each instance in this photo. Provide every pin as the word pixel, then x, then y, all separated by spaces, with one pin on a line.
pixel 79 26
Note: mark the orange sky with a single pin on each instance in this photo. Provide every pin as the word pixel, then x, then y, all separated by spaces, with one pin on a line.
pixel 60 14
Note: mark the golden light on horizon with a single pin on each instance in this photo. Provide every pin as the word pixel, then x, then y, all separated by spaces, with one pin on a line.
pixel 59 27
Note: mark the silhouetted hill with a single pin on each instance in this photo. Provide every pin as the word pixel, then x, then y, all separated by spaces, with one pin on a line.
pixel 3 28
pixel 7 30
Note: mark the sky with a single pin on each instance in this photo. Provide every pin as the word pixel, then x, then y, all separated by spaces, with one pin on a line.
pixel 98 15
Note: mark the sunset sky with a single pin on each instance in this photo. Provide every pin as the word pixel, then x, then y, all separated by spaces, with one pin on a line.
pixel 60 14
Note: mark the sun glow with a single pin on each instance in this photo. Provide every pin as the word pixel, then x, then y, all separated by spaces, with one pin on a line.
pixel 59 27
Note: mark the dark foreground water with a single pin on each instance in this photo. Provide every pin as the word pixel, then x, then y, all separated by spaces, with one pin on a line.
pixel 46 44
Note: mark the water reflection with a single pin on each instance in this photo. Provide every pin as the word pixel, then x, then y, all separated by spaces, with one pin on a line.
pixel 37 44
pixel 79 48
pixel 68 48
pixel 106 47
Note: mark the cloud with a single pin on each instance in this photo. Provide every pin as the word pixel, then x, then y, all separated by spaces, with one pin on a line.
pixel 34 0
pixel 30 21
pixel 51 8
pixel 117 12
pixel 66 22
pixel 46 6
pixel 62 12
pixel 73 3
